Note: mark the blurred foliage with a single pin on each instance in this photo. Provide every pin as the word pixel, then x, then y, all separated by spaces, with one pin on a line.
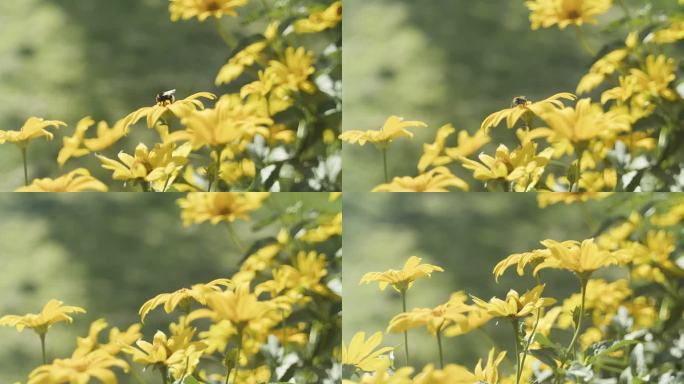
pixel 111 253
pixel 467 235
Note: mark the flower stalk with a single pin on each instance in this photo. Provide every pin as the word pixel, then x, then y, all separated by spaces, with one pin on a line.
pixel 23 157
pixel 403 307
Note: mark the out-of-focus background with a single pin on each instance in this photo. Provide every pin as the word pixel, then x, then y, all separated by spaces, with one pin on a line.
pixel 65 59
pixel 466 234
pixel 447 61
pixel 108 254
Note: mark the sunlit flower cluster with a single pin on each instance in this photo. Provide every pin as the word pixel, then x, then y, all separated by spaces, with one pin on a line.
pixel 616 132
pixel 283 300
pixel 276 130
pixel 592 330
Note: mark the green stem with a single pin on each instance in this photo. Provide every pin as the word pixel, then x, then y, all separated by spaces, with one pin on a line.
pixel 527 346
pixel 164 374
pixel 583 41
pixel 227 38
pixel 516 334
pixel 439 344
pixel 578 172
pixel 236 238
pixel 42 347
pixel 384 164
pixel 237 358
pixel 23 156
pixel 406 348
pixel 583 282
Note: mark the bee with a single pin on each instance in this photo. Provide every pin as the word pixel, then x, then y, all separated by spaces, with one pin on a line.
pixel 167 97
pixel 519 100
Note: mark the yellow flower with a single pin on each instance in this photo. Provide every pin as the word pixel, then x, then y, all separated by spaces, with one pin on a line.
pixel 438 179
pixel 384 375
pixel 107 136
pixel 97 365
pixel 117 340
pixel 549 198
pixel 515 305
pixel 78 180
pixel 545 13
pixel 403 279
pixel 53 312
pixel 393 128
pixel 361 352
pixel 522 168
pixel 327 229
pixel 456 374
pixel 33 128
pixel 431 152
pixel 294 71
pixel 183 297
pixel 581 258
pixel 467 145
pixel 434 319
pixel 203 9
pixel 475 318
pixel 673 216
pixel 72 146
pixel 651 82
pixel 198 207
pixel 671 34
pixel 241 60
pixel 232 121
pixel 606 65
pixel 585 122
pixel 525 109
pixel 240 307
pixel 322 20
pixel 156 168
pixel 179 108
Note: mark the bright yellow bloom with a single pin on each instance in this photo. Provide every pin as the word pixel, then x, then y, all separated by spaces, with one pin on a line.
pixel 456 374
pixel 78 180
pixel 361 352
pixel 467 145
pixel 475 318
pixel 586 122
pixel 198 207
pixel 118 340
pixel 515 305
pixel 294 71
pixel 402 279
pixel 525 109
pixel 545 13
pixel 522 168
pixel 183 297
pixel 241 60
pixel 435 180
pixel 671 34
pixel 549 198
pixel 384 375
pixel 673 216
pixel 179 108
pixel 606 65
pixel 72 146
pixel 651 82
pixel 203 9
pixel 97 365
pixel 176 352
pixel 240 307
pixel 33 128
pixel 156 168
pixel 432 152
pixel 232 121
pixel 53 312
pixel 394 127
pixel 322 20
pixel 434 319
pixel 581 258
pixel 327 229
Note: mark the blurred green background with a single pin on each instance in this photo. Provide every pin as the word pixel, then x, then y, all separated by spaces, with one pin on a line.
pixel 448 61
pixel 66 59
pixel 466 234
pixel 108 254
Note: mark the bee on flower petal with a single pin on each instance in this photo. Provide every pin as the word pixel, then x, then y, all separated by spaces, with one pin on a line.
pixel 166 98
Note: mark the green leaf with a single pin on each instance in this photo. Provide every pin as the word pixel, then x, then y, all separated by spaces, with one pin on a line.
pixel 548 356
pixel 597 350
pixel 191 380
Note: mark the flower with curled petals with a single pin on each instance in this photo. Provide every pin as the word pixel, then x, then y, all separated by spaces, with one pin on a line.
pixel 362 353
pixel 183 297
pixel 523 108
pixel 401 279
pixel 516 305
pixel 52 313
pixel 78 180
pixel 435 180
pixel 394 128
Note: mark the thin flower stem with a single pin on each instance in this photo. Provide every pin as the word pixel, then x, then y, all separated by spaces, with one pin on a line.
pixel 583 283
pixel 217 168
pixel 164 374
pixel 439 344
pixel 527 346
pixel 42 347
pixel 237 358
pixel 583 41
pixel 136 374
pixel 384 164
pixel 578 172
pixel 516 334
pixel 23 156
pixel 227 38
pixel 406 348
pixel 236 238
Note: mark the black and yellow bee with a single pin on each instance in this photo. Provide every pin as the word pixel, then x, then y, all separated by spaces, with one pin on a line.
pixel 519 100
pixel 167 97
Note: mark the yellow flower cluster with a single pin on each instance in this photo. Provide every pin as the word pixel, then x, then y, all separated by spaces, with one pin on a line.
pixel 274 300
pixel 582 147
pixel 240 140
